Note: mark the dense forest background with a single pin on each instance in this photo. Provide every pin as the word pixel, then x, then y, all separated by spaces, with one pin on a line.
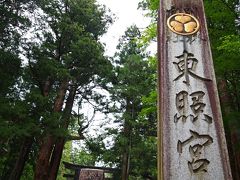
pixel 52 63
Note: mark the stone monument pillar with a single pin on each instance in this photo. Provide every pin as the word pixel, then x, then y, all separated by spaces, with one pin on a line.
pixel 192 143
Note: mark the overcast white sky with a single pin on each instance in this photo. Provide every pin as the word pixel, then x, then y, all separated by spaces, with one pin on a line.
pixel 127 14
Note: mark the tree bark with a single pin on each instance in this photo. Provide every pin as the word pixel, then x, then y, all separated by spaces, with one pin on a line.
pixel 125 165
pixel 44 155
pixel 17 167
pixel 56 159
pixel 127 134
pixel 22 158
pixel 231 131
pixel 46 87
pixel 16 159
pixel 42 165
pixel 58 149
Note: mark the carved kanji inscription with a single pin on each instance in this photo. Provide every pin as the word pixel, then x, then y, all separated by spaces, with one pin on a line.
pixel 197 107
pixel 186 66
pixel 197 144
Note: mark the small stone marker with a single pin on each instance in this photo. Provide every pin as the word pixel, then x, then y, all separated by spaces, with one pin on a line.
pixel 192 143
pixel 91 174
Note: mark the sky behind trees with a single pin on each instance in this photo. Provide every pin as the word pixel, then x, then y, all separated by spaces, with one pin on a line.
pixel 127 14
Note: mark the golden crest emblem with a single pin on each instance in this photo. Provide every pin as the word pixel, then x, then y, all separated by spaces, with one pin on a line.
pixel 183 24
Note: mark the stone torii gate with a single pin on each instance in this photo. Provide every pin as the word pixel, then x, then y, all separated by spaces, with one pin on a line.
pixel 191 140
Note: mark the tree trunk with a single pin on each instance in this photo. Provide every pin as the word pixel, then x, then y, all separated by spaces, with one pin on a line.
pixel 58 149
pixel 60 97
pixel 236 153
pixel 23 156
pixel 125 165
pixel 42 165
pixel 56 159
pixel 46 87
pixel 17 167
pixel 126 153
pixel 10 158
pixel 15 161
pixel 127 134
pixel 231 131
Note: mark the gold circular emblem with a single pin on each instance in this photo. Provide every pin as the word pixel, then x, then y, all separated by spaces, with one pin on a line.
pixel 183 24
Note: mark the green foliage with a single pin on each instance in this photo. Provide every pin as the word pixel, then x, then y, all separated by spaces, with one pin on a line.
pixel 149 104
pixel 221 19
pixel 150 5
pixel 64 47
pixel 28 172
pixel 83 157
pixel 9 71
pixel 233 119
pixel 230 44
pixel 144 151
pixel 13 24
pixel 149 35
pixel 133 85
pixel 66 157
pixel 228 49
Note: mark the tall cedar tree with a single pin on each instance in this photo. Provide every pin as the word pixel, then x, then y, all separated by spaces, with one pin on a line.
pixel 69 58
pixel 134 80
pixel 64 57
pixel 13 109
pixel 133 151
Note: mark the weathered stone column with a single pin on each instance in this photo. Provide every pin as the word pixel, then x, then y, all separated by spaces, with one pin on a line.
pixel 192 143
